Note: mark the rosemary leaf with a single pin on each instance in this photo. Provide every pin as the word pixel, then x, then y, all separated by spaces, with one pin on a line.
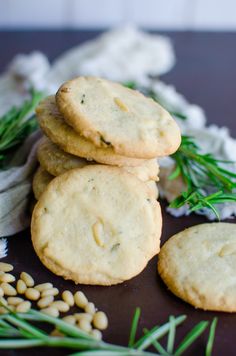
pixel 171 335
pixel 157 333
pixel 191 337
pixel 211 338
pixel 16 125
pixel 134 327
pixel 157 345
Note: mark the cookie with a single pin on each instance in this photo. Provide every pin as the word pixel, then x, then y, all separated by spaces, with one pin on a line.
pixel 147 171
pixel 96 225
pixel 56 162
pixel 153 189
pixel 59 132
pixel 40 181
pixel 112 115
pixel 198 265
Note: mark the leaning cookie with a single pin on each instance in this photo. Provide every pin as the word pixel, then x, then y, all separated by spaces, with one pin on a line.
pixel 112 115
pixel 198 265
pixel 40 181
pixel 56 162
pixel 96 225
pixel 59 132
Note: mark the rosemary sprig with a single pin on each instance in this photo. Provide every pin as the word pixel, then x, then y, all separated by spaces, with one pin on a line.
pixel 16 125
pixel 202 173
pixel 17 331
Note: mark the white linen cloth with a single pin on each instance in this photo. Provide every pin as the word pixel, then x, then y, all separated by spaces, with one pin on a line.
pixel 15 188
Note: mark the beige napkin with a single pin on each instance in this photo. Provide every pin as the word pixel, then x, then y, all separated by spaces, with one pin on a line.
pixel 15 188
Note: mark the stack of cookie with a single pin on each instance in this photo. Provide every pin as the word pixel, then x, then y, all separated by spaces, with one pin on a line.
pixel 107 138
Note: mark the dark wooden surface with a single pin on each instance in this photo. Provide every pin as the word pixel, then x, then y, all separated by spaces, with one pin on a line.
pixel 205 73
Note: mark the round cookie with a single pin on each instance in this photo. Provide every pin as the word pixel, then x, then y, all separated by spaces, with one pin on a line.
pixel 96 225
pixel 56 162
pixel 147 171
pixel 40 181
pixel 198 265
pixel 59 132
pixel 153 189
pixel 112 115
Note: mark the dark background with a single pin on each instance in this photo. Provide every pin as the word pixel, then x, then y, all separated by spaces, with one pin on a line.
pixel 205 73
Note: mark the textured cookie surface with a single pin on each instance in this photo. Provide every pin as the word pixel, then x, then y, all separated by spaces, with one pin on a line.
pixel 54 126
pixel 40 181
pixel 198 265
pixel 96 225
pixel 56 162
pixel 110 114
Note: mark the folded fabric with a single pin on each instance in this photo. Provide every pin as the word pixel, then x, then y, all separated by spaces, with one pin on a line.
pixel 15 188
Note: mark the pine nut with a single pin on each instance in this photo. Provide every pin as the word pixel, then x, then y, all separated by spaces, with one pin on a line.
pixel 1 292
pixel 23 307
pixel 61 306
pixel 7 277
pixel 45 301
pixel 8 289
pixel 56 333
pixel 12 308
pixel 90 308
pixel 100 320
pixel 3 310
pixel 43 286
pixel 32 294
pixel 26 277
pixel 51 311
pixel 86 316
pixel 96 334
pixel 21 286
pixel 85 325
pixel 70 319
pixel 68 298
pixel 3 301
pixel 51 291
pixel 80 299
pixel 14 300
pixel 6 267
